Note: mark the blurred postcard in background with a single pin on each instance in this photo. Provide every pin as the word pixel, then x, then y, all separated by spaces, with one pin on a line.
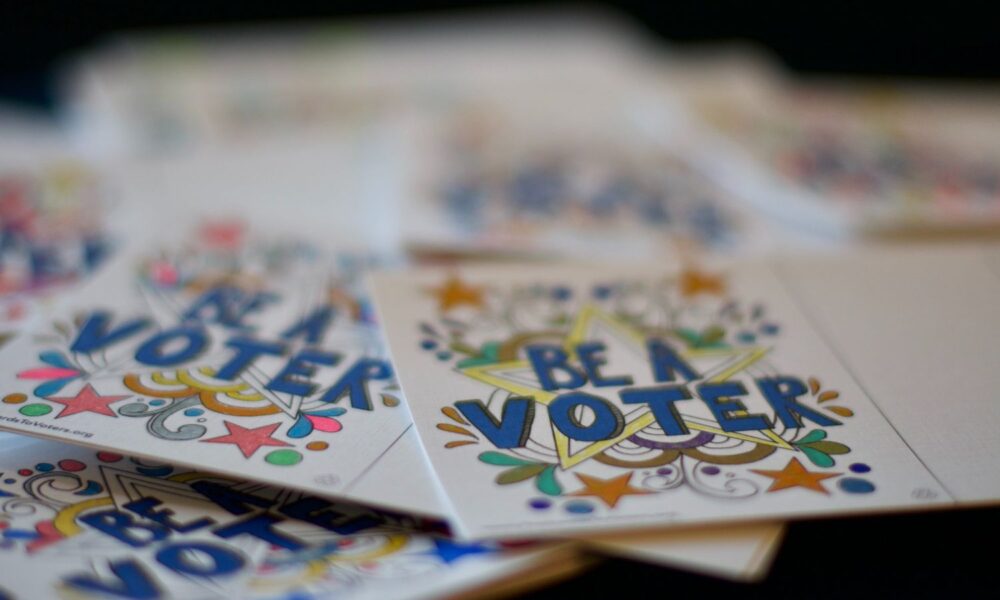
pixel 172 92
pixel 560 176
pixel 852 158
pixel 57 217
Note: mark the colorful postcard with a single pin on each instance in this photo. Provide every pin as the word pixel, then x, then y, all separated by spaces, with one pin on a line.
pixel 81 523
pixel 564 399
pixel 254 357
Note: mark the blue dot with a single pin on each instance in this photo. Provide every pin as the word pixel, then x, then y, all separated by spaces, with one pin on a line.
pixel 561 293
pixel 157 402
pixel 602 292
pixel 746 337
pixel 539 504
pixel 428 344
pixel 853 485
pixel 156 471
pixel 860 468
pixel 769 329
pixel 664 471
pixel 43 467
pixel 193 412
pixel 9 481
pixel 710 470
pixel 444 355
pixel 579 507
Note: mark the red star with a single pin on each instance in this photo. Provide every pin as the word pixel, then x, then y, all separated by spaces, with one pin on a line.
pixel 87 400
pixel 248 440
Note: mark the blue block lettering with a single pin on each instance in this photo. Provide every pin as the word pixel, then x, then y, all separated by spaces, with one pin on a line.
pixel 514 426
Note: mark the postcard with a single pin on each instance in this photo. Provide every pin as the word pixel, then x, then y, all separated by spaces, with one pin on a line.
pixel 567 399
pixel 96 524
pixel 250 356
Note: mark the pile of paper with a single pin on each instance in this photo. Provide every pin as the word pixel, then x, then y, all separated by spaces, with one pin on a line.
pixel 447 309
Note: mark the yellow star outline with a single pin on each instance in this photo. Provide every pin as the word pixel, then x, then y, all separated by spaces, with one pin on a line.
pixel 496 375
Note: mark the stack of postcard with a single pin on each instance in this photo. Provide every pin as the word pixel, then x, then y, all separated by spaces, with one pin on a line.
pixel 453 310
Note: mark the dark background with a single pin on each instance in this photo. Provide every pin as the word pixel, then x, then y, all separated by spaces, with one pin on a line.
pixel 917 555
pixel 940 40
pixel 921 555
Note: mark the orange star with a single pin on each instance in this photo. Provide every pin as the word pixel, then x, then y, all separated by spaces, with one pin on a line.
pixel 454 292
pixel 795 475
pixel 695 282
pixel 608 490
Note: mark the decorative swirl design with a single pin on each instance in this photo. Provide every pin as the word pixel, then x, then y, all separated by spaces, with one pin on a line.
pixel 157 425
pixel 691 473
pixel 663 453
pixel 52 487
pixel 210 401
pixel 237 391
pixel 18 507
pixel 134 383
pixel 700 439
pixel 731 488
pixel 662 457
pixel 206 392
pixel 664 480
pixel 756 453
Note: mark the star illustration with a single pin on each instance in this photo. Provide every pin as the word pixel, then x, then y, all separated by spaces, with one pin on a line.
pixel 795 475
pixel 248 440
pixel 449 551
pixel 695 282
pixel 608 490
pixel 455 292
pixel 518 378
pixel 87 400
